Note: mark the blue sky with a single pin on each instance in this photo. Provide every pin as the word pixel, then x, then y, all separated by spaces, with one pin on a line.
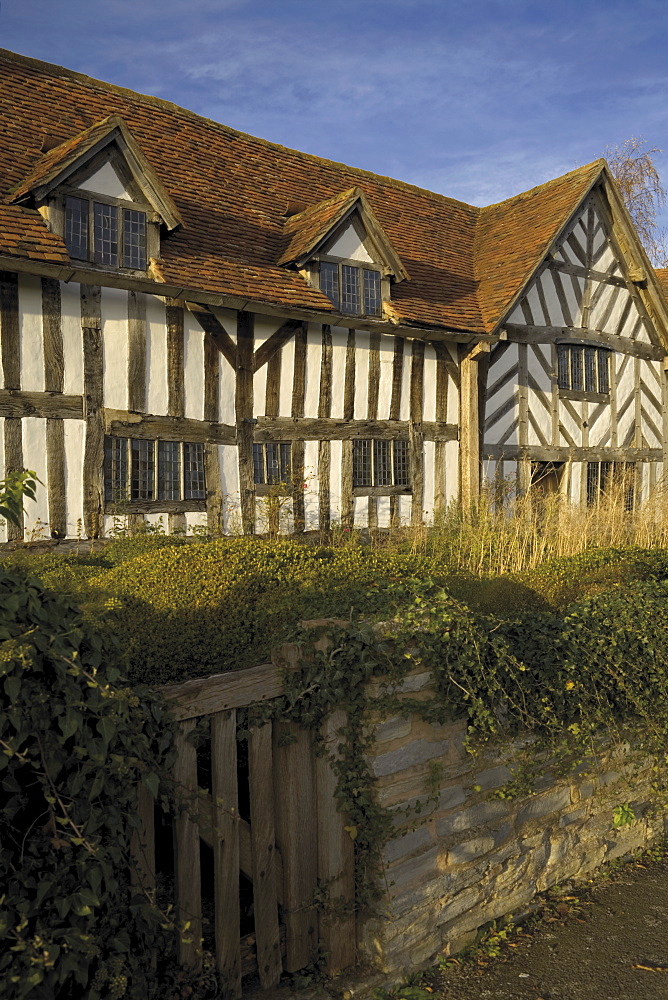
pixel 476 100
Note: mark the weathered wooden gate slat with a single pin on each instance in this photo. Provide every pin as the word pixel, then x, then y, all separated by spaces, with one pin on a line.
pixel 336 857
pixel 186 849
pixel 143 840
pixel 226 851
pixel 263 838
pixel 296 838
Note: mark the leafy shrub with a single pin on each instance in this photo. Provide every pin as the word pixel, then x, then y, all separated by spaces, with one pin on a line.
pixel 75 742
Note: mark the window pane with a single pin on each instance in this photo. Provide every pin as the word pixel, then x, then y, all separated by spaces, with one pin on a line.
pixel 169 470
pixel 76 228
pixel 350 289
pixel 591 383
pixel 605 479
pixel 258 464
pixel 193 472
pixel 361 463
pixel 134 239
pixel 593 472
pixel 577 379
pixel 143 470
pixel 286 455
pixel 329 281
pixel 603 371
pixel 382 469
pixel 563 365
pixel 401 470
pixel 105 234
pixel 273 462
pixel 115 469
pixel 371 293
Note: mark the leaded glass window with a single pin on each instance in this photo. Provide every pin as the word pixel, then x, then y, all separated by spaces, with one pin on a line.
pixel 143 470
pixel 350 289
pixel 193 472
pixel 354 290
pixel 583 368
pixel 271 463
pixel 371 292
pixel 329 281
pixel 105 234
pixel 115 469
pixel 380 463
pixel 134 239
pixel 169 470
pixel 76 227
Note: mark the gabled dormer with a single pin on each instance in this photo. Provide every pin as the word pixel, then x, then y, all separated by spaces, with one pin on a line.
pixel 340 247
pixel 98 191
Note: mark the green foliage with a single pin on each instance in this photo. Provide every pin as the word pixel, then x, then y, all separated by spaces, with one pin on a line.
pixel 13 490
pixel 75 741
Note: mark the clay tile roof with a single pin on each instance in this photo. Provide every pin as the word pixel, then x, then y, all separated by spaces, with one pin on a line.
pixel 56 159
pixel 662 275
pixel 232 190
pixel 514 236
pixel 306 229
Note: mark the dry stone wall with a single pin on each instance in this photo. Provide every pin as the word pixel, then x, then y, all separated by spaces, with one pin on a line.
pixel 468 857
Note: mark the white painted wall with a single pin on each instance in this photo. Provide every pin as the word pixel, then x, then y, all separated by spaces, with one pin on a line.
pixel 30 332
pixel 114 309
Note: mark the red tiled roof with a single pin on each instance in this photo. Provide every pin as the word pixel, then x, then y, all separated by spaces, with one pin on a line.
pixel 305 229
pixel 233 190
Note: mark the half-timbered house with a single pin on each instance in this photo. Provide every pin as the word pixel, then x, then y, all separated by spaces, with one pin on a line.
pixel 195 322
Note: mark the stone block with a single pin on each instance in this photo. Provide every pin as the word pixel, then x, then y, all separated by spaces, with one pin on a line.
pixel 407 756
pixel 480 814
pixel 469 850
pixel 392 729
pixel 459 904
pixel 409 898
pixel 542 805
pixel 422 867
pixel 416 682
pixel 493 777
pixel 578 815
pixel 411 842
pixel 451 797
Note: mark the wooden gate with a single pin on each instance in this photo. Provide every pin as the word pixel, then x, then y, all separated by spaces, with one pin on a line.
pixel 294 846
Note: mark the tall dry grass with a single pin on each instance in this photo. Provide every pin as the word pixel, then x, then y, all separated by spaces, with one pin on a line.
pixel 509 532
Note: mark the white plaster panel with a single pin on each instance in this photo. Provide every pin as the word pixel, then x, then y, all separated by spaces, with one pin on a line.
pixel 312 487
pixel 106 181
pixel 452 410
pixel 451 471
pixel 617 310
pixel 573 428
pixel 542 416
pixel 576 481
pixel 428 498
pixel 259 392
pixel 156 355
pixel 643 335
pixel 335 481
pixel 600 430
pixel 313 361
pixel 554 309
pixel 361 374
pixel 383 512
pixel 625 392
pixel 229 477
pixel 361 505
pixel 287 378
pixel 34 458
pixel 30 332
pixel 494 434
pixel 115 336
pixel 599 239
pixel 534 305
pixel 632 322
pixel 193 367
pixel 544 316
pixel 429 407
pixel 405 403
pixel 598 311
pixel 574 291
pixel 536 369
pixel 516 316
pixel 228 320
pixel 339 341
pixel 160 522
pixel 605 260
pixel 195 519
pixel 385 387
pixel 226 405
pixel 74 433
pixel 70 308
pixel 349 246
pixel 568 254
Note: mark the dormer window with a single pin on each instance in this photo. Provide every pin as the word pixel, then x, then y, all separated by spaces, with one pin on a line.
pixel 105 233
pixel 351 289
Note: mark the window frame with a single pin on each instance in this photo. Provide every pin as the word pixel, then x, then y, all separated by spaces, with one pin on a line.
pixel 120 205
pixel 568 349
pixel 616 475
pixel 279 487
pixel 379 490
pixel 360 266
pixel 133 446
